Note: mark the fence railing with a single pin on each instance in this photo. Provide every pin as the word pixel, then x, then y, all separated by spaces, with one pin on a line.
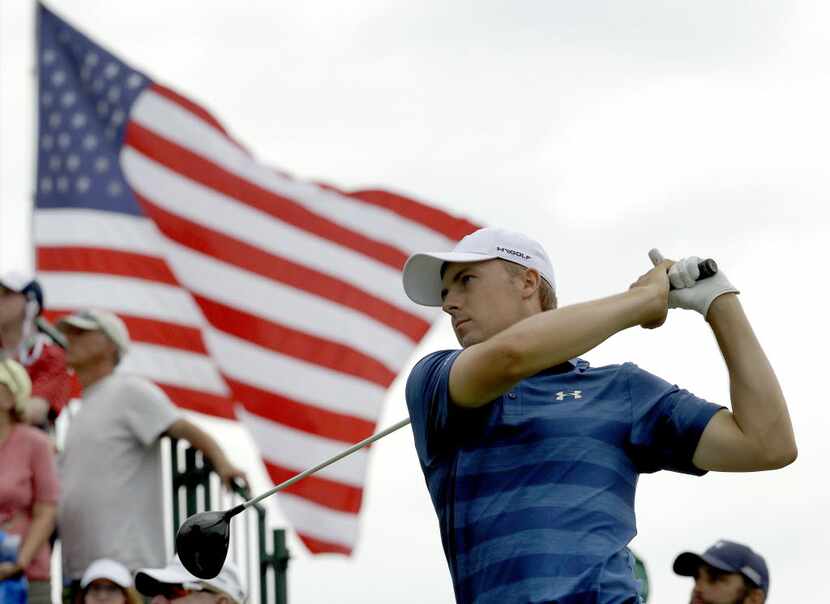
pixel 261 557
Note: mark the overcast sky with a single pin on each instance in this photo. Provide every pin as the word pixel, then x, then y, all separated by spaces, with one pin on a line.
pixel 602 129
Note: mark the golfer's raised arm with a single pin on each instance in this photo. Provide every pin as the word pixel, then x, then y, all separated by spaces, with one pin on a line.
pixel 758 433
pixel 490 368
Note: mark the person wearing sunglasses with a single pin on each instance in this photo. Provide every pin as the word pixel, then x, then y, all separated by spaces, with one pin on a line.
pixel 175 585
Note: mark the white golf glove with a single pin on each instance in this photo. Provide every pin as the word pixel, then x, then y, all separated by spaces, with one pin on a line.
pixel 688 292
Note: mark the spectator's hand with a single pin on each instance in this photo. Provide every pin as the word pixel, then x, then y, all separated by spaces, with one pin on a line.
pixel 9 570
pixel 37 411
pixel 228 473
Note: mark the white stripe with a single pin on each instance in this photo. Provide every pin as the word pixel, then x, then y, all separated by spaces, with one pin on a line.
pixel 291 307
pixel 174 367
pixel 95 228
pixel 294 379
pixel 209 208
pixel 319 522
pixel 178 124
pixel 297 450
pixel 118 294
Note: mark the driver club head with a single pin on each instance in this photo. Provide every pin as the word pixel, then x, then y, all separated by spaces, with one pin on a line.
pixel 202 542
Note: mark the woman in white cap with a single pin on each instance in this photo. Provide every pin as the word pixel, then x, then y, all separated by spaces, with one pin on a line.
pixel 108 582
pixel 28 485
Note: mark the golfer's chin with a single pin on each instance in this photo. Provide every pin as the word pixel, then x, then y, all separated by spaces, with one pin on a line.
pixel 468 338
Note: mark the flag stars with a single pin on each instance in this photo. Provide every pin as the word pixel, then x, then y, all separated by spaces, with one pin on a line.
pixel 113 94
pixel 49 56
pixel 114 188
pixel 47 98
pixel 55 163
pixel 78 120
pixel 90 142
pixel 134 81
pixel 102 108
pixel 102 164
pixel 82 184
pixel 64 140
pixel 55 120
pixel 62 184
pixel 111 70
pixel 46 184
pixel 117 117
pixel 58 78
pixel 47 141
pixel 98 86
pixel 68 98
pixel 73 162
pixel 91 59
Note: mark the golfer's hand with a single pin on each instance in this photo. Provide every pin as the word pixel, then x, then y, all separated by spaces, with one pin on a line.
pixel 657 282
pixel 228 473
pixel 688 292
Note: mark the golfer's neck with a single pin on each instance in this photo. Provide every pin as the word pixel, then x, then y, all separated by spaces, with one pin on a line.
pixel 88 376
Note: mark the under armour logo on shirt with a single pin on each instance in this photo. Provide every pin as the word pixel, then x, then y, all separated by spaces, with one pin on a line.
pixel 560 396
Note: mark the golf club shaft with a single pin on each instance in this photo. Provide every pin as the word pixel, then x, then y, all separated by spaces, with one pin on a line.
pixel 328 462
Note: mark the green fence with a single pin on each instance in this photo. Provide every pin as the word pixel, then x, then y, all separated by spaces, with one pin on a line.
pixel 261 557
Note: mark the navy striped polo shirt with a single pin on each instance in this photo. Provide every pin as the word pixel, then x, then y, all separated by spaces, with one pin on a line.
pixel 535 491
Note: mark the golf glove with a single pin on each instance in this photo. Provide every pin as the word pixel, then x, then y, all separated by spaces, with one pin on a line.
pixel 688 292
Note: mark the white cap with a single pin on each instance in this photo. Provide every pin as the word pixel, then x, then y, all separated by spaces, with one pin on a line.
pixel 422 272
pixel 15 281
pixel 227 581
pixel 107 322
pixel 107 569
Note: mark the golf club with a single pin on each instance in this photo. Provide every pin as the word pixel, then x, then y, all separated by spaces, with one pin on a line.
pixel 202 540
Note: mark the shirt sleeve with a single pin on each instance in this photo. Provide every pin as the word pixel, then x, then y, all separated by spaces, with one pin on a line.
pixel 148 410
pixel 45 486
pixel 50 378
pixel 428 400
pixel 666 423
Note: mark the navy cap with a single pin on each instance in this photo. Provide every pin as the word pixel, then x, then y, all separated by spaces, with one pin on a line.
pixel 727 556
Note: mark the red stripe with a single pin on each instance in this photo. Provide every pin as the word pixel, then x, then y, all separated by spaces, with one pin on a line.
pixel 209 174
pixel 104 260
pixel 433 218
pixel 152 331
pixel 300 416
pixel 245 256
pixel 200 401
pixel 294 343
pixel 318 546
pixel 322 491
pixel 192 107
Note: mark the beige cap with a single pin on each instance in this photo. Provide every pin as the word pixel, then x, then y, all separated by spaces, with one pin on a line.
pixel 14 376
pixel 107 322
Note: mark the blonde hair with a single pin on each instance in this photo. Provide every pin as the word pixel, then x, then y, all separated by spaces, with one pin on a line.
pixel 15 378
pixel 547 297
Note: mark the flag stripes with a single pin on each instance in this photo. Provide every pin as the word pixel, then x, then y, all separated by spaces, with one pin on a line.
pixel 248 294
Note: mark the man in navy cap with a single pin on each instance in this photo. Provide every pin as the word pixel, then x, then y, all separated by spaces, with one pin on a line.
pixel 726 573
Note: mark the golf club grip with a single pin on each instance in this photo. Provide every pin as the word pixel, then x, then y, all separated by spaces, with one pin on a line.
pixel 707 269
pixel 328 462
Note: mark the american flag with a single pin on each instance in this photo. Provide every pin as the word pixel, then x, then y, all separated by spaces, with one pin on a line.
pixel 249 294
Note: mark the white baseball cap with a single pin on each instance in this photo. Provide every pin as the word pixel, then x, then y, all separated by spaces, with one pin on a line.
pixel 149 580
pixel 107 569
pixel 422 272
pixel 112 326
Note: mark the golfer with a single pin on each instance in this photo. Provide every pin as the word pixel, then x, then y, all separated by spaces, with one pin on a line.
pixel 530 455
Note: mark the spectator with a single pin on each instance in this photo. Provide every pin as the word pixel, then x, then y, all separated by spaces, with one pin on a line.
pixel 28 485
pixel 174 584
pixel 21 303
pixel 726 573
pixel 111 471
pixel 108 582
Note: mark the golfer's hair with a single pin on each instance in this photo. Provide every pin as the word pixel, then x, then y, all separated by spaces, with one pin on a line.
pixel 547 297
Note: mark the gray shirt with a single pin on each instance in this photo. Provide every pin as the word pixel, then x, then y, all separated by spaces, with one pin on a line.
pixel 111 478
